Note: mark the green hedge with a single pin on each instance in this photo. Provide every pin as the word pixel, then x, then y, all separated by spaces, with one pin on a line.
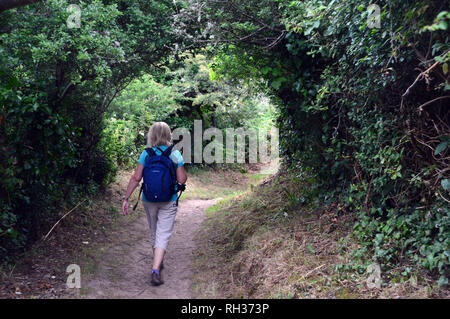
pixel 352 110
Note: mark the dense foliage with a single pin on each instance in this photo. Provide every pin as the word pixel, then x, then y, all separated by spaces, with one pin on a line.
pixel 365 108
pixel 56 84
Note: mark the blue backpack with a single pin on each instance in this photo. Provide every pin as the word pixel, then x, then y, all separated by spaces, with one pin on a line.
pixel 159 176
pixel 160 181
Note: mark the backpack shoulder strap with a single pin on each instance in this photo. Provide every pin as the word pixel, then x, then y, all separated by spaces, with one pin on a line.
pixel 167 152
pixel 150 152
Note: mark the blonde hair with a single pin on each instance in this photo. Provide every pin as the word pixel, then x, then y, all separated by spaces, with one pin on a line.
pixel 159 134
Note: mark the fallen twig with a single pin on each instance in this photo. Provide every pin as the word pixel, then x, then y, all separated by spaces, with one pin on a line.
pixel 45 237
pixel 311 271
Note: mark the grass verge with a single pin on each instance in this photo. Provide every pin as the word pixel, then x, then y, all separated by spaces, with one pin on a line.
pixel 209 183
pixel 273 242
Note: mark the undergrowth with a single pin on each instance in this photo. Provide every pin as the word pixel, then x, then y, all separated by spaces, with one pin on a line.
pixel 281 240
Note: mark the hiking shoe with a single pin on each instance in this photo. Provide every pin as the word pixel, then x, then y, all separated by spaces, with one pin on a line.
pixel 156 279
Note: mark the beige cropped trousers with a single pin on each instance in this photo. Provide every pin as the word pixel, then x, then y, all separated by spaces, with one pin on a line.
pixel 161 217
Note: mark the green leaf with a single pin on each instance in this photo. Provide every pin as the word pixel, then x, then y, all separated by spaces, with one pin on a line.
pixel 266 70
pixel 446 184
pixel 443 25
pixel 277 83
pixel 441 147
pixel 443 14
pixel 443 281
pixel 12 233
pixel 13 82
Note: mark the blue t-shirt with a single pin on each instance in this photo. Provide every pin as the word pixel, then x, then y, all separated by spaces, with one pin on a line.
pixel 176 158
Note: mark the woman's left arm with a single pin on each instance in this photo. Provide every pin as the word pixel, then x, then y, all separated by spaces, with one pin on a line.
pixel 132 184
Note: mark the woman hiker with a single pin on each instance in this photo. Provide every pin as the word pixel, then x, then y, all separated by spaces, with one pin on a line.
pixel 160 215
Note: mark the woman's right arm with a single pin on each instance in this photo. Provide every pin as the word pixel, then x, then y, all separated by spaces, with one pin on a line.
pixel 181 175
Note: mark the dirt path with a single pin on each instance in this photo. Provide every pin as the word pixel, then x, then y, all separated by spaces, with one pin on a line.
pixel 126 267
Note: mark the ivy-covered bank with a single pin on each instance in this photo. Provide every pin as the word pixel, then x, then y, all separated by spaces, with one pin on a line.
pixel 364 109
